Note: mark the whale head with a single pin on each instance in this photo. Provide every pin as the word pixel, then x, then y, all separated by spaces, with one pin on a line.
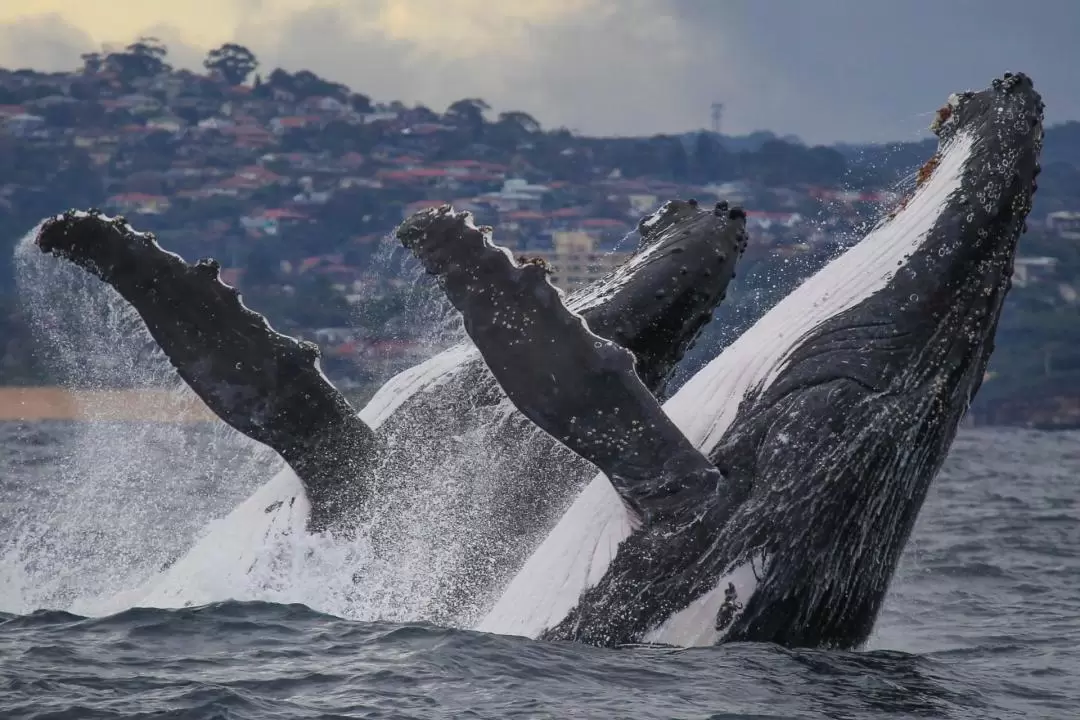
pixel 833 413
pixel 657 303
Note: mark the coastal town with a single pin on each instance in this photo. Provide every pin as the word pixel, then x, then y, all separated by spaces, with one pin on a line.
pixel 294 182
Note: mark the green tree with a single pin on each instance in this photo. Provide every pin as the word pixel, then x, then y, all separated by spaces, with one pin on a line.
pixel 143 58
pixel 468 114
pixel 523 121
pixel 92 63
pixel 234 62
pixel 360 103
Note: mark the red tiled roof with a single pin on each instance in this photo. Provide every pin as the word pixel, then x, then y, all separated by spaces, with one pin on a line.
pixel 525 215
pixel 352 159
pixel 293 121
pixel 477 164
pixel 258 173
pixel 282 214
pixel 413 174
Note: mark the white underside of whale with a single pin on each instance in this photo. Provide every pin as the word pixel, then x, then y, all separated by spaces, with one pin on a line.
pixel 256 553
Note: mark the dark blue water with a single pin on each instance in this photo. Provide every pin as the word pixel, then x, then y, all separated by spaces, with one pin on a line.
pixel 983 622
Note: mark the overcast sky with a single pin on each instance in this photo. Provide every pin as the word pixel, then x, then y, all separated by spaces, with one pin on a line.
pixel 826 70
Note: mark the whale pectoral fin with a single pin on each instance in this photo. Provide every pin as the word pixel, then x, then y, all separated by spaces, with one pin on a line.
pixel 262 383
pixel 574 385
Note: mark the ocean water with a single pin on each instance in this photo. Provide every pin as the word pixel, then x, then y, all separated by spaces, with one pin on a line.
pixel 983 620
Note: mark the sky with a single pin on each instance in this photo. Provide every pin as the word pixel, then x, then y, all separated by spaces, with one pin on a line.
pixel 825 70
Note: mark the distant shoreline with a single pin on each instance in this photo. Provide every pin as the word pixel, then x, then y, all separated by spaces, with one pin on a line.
pixel 35 404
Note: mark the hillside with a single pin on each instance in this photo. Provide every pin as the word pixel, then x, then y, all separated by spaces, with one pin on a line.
pixel 294 180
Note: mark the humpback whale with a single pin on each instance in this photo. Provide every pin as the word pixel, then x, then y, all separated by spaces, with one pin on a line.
pixel 771 497
pixel 269 387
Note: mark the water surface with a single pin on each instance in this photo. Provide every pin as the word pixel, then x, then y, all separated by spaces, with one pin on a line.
pixel 982 621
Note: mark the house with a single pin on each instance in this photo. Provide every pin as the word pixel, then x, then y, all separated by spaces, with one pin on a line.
pixel 1065 223
pixel 354 181
pixel 517 194
pixel 733 192
pixel 323 104
pixel 257 176
pixel 215 123
pixel 426 128
pixel 167 123
pixel 87 139
pixel 139 104
pixel 642 203
pixel 270 222
pixel 386 117
pixel 281 125
pixel 249 136
pixel 576 259
pixel 760 220
pixel 23 125
pixel 412 176
pixel 1031 270
pixel 51 101
pixel 351 160
pixel 531 220
pixel 474 167
pixel 138 203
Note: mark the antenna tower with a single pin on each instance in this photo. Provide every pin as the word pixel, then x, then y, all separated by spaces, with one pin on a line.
pixel 717 116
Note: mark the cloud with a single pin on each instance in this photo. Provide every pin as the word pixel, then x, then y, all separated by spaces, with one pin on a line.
pixel 42 42
pixel 589 64
pixel 827 70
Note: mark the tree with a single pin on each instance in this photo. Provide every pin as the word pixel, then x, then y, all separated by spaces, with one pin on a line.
pixel 143 58
pixel 233 62
pixel 307 84
pixel 92 63
pixel 422 113
pixel 468 108
pixel 707 161
pixel 280 80
pixel 360 103
pixel 263 265
pixel 468 114
pixel 675 163
pixel 522 120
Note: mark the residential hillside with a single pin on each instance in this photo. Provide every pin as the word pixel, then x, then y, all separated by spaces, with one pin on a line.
pixel 293 181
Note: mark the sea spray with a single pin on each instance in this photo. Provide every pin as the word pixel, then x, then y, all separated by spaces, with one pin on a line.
pixel 155 514
pixel 157 518
pixel 131 497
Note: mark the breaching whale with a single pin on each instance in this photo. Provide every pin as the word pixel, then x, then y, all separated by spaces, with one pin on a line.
pixel 771 497
pixel 268 386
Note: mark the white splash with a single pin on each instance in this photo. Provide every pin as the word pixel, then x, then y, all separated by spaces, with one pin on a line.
pixel 556 574
pixel 126 497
